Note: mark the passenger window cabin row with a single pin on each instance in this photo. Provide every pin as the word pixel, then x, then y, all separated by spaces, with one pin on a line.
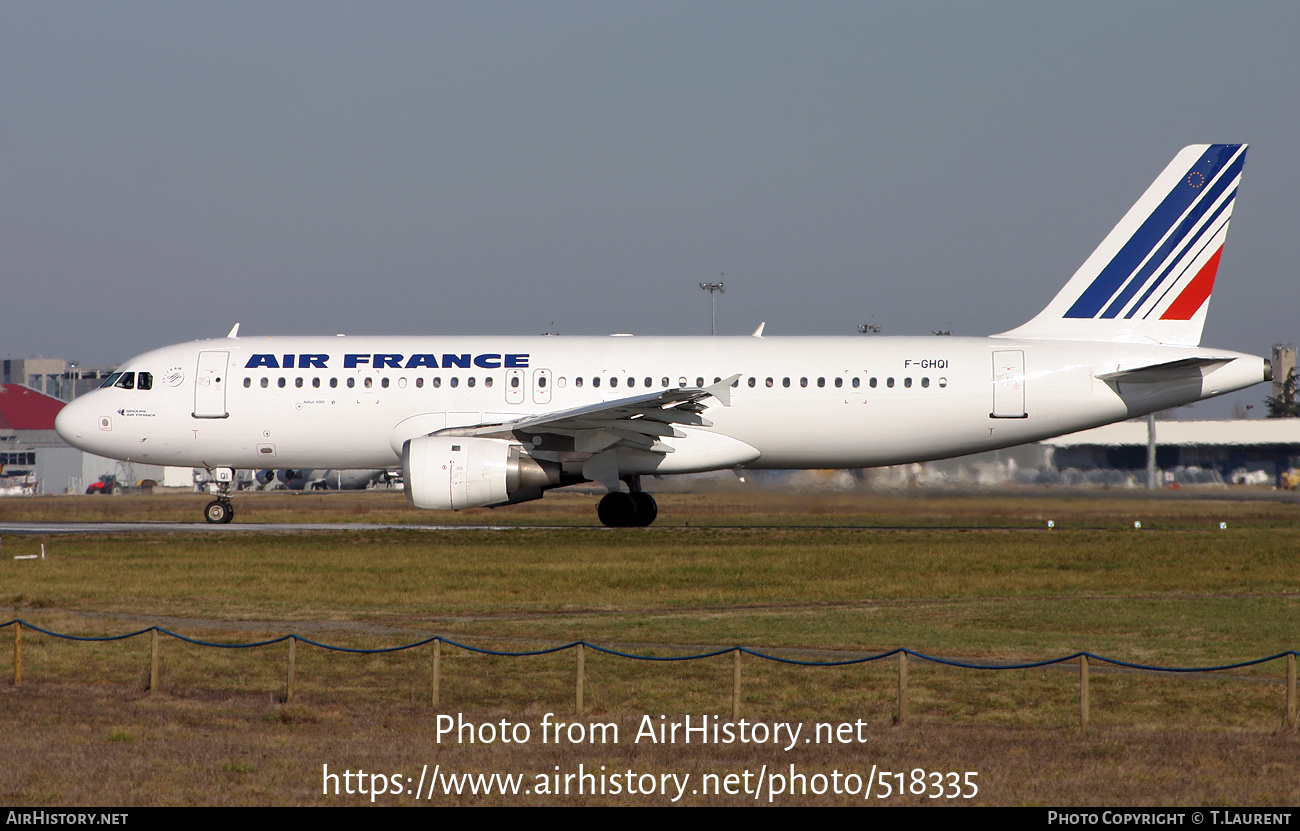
pixel 612 382
pixel 144 381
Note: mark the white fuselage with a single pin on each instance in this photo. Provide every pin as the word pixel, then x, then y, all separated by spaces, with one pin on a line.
pixel 800 402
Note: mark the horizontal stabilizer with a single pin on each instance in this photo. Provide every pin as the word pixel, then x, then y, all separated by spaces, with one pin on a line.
pixel 1163 371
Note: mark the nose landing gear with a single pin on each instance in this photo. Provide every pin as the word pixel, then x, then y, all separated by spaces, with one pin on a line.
pixel 220 510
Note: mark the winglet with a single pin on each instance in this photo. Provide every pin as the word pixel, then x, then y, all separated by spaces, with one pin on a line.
pixel 722 389
pixel 758 333
pixel 234 332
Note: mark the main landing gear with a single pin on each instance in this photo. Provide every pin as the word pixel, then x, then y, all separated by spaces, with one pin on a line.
pixel 627 510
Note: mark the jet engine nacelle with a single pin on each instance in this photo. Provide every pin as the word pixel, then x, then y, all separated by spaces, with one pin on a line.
pixel 453 473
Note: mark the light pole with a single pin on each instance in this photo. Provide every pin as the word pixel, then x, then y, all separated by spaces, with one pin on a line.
pixel 714 289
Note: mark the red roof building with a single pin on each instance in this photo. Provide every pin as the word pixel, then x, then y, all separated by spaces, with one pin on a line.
pixel 26 409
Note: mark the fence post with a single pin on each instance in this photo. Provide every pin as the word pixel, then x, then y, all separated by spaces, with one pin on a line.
pixel 902 687
pixel 1083 692
pixel 153 660
pixel 581 678
pixel 288 694
pixel 18 652
pixel 1290 691
pixel 437 671
pixel 735 684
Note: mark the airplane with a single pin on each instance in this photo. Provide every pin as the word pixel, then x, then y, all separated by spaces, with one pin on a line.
pixel 490 421
pixel 318 480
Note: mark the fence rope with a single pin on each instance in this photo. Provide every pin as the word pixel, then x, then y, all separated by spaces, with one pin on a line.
pixel 632 655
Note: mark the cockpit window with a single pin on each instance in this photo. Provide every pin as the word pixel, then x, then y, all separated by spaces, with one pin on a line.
pixel 126 382
pixel 110 380
pixel 144 381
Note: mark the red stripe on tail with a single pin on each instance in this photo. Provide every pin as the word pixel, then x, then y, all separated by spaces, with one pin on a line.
pixel 1197 292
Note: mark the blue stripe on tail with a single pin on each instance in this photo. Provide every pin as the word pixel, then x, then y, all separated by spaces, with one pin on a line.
pixel 1153 230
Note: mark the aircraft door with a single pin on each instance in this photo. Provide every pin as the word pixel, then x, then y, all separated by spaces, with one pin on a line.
pixel 514 386
pixel 542 386
pixel 210 385
pixel 1008 384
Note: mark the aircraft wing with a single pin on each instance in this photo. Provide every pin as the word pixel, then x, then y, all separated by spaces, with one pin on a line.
pixel 639 421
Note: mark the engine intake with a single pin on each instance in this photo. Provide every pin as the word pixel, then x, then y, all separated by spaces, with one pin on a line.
pixel 453 473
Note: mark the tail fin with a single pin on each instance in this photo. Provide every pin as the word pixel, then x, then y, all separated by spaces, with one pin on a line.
pixel 1150 279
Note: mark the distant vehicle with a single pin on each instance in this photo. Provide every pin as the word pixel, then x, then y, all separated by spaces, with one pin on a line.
pixel 485 421
pixel 106 485
pixel 318 480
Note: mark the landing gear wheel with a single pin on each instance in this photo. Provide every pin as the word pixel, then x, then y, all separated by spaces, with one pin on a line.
pixel 617 510
pixel 218 512
pixel 627 510
pixel 646 508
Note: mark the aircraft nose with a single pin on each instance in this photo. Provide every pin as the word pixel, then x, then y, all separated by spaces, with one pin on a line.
pixel 77 422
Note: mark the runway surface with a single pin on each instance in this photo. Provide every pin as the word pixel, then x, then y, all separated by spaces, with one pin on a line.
pixel 233 527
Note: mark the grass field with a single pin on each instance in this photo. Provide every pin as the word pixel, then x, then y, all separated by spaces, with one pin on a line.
pixel 819 577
